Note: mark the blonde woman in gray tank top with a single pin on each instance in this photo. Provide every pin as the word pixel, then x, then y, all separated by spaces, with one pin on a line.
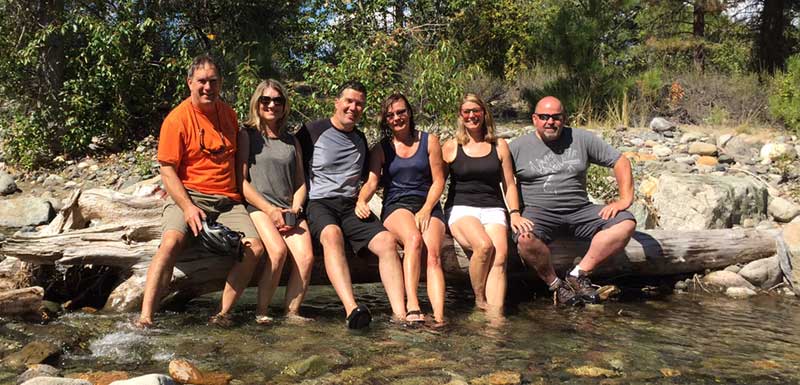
pixel 275 190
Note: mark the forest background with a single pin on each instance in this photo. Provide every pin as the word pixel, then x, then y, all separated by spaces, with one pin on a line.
pixel 77 77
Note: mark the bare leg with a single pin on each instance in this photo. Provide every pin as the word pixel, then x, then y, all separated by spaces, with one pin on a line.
pixel 536 254
pixel 302 261
pixel 159 273
pixel 496 281
pixel 606 243
pixel 469 233
pixel 384 245
pixel 276 257
pixel 402 224
pixel 240 274
pixel 433 244
pixel 336 266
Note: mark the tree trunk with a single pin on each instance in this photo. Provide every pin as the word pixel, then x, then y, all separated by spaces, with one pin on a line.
pixel 699 33
pixel 771 47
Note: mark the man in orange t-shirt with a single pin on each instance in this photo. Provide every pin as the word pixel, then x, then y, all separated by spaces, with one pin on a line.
pixel 197 152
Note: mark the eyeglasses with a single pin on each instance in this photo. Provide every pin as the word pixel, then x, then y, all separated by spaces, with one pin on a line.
pixel 474 111
pixel 546 117
pixel 396 114
pixel 221 149
pixel 266 100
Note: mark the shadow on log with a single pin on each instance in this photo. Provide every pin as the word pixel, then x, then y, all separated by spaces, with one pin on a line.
pixel 124 232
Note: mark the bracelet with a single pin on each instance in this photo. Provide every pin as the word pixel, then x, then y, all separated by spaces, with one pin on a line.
pixel 513 211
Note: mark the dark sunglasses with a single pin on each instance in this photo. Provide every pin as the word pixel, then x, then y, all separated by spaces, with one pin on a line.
pixel 203 148
pixel 474 111
pixel 266 100
pixel 546 117
pixel 398 113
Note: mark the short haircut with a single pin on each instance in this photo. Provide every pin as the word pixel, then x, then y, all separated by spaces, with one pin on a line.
pixel 354 85
pixel 200 62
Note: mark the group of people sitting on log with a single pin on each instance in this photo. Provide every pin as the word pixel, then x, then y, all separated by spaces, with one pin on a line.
pixel 284 193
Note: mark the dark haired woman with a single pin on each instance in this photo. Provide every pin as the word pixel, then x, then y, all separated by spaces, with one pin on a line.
pixel 275 190
pixel 479 164
pixel 408 163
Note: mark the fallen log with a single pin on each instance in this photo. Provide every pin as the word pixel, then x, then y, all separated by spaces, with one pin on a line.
pixel 21 301
pixel 128 231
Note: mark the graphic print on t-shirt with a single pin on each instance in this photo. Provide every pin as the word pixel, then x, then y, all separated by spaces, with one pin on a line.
pixel 551 164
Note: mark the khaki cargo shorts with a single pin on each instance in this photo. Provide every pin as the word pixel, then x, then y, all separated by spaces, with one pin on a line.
pixel 217 207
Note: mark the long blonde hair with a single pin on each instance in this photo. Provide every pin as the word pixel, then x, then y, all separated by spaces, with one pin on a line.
pixel 254 119
pixel 488 121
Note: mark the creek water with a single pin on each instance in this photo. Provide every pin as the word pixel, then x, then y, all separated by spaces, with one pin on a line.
pixel 677 338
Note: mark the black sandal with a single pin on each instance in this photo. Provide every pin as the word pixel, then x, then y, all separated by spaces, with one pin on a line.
pixel 359 318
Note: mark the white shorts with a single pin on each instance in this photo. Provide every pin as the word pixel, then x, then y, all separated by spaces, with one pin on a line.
pixel 491 215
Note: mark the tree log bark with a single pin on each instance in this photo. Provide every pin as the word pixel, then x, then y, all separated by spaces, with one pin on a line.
pixel 21 301
pixel 130 232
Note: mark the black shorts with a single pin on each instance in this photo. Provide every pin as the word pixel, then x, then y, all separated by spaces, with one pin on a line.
pixel 340 211
pixel 411 203
pixel 584 222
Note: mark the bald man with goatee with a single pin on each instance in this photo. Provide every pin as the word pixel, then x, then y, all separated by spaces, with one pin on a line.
pixel 550 166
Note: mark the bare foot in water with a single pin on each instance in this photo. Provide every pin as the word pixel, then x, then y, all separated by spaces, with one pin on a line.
pixel 143 323
pixel 297 319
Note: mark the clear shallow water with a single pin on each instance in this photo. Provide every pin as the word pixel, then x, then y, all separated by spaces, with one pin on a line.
pixel 707 340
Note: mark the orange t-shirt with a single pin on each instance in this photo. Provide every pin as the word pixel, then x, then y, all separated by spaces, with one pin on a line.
pixel 198 170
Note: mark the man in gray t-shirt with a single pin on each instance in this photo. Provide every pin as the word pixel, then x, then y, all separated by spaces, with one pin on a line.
pixel 335 153
pixel 550 165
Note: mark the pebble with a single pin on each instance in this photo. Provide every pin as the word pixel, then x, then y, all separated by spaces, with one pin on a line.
pixel 740 292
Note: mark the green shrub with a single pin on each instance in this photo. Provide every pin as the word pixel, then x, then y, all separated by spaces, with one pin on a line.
pixel 784 101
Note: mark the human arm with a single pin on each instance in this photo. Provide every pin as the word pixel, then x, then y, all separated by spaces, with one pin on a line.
pixel 299 197
pixel 624 176
pixel 192 214
pixel 437 165
pixel 371 184
pixel 519 224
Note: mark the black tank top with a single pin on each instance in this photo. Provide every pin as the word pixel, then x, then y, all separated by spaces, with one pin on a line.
pixel 475 181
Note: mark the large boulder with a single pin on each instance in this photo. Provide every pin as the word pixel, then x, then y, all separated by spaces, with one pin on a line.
pixel 149 379
pixel 7 184
pixel 723 279
pixel 743 148
pixel 25 211
pixel 699 202
pixel 773 151
pixel 659 124
pixel 791 235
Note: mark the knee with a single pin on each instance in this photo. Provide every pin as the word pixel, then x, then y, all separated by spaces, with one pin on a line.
pixel 625 229
pixel 277 252
pixel 531 247
pixel 483 248
pixel 384 243
pixel 254 249
pixel 413 242
pixel 331 237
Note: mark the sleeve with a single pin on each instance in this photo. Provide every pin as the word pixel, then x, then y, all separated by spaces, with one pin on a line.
pixel 365 164
pixel 306 147
pixel 171 141
pixel 598 151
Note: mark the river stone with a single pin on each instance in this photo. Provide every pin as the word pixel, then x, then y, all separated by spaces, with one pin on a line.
pixel 743 148
pixel 723 139
pixel 791 236
pixel 312 366
pixel 659 125
pixel 100 378
pixel 149 379
pixel 725 279
pixel 772 151
pixel 53 180
pixel 644 218
pixel 699 202
pixel 701 148
pixel 707 161
pixel 740 292
pixel 498 378
pixel 183 371
pixel 55 381
pixel 592 371
pixel 783 210
pixel 33 353
pixel 25 211
pixel 38 370
pixel 691 137
pixel 764 273
pixel 661 151
pixel 7 184
pixel 733 268
pixel 648 186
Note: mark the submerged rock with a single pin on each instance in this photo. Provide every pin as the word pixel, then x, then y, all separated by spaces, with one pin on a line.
pixel 33 353
pixel 149 379
pixel 38 370
pixel 592 371
pixel 498 378
pixel 740 292
pixel 184 372
pixel 55 381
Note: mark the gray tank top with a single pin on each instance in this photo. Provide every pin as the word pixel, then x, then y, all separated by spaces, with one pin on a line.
pixel 273 164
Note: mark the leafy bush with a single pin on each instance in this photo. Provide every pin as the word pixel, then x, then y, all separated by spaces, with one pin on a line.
pixel 784 101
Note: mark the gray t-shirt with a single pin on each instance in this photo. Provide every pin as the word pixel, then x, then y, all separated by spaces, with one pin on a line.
pixel 553 176
pixel 273 165
pixel 336 161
